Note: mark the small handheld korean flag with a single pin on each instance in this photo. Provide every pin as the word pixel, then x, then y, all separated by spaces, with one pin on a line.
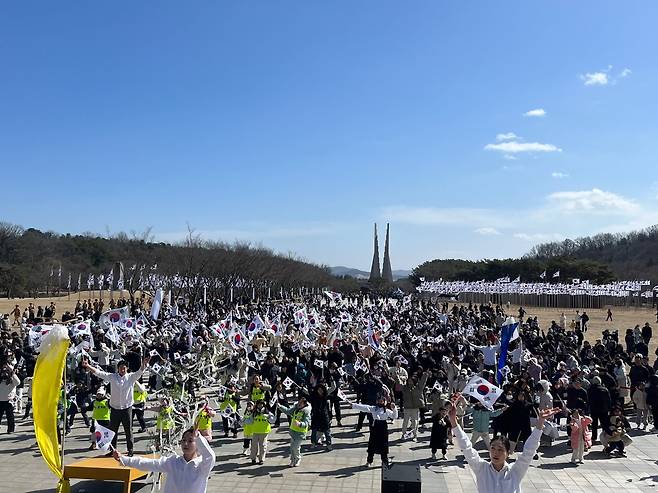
pixel 176 356
pixel 483 391
pixel 288 383
pixel 319 363
pixel 104 437
pixel 341 395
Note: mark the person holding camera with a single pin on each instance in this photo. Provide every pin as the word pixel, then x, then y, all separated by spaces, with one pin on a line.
pixel 8 383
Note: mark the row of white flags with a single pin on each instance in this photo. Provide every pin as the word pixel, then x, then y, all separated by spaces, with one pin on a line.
pixel 504 286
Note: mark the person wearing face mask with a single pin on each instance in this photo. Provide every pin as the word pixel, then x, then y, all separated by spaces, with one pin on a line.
pixel 496 475
pixel 378 440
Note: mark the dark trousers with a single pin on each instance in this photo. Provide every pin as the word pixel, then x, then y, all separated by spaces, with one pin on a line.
pixel 605 422
pixel 7 408
pixel 371 456
pixel 138 412
pixel 335 401
pixel 122 417
pixel 226 427
pixel 362 417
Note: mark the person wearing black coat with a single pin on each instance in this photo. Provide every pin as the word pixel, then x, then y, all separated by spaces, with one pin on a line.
pixel 517 419
pixel 652 399
pixel 600 403
pixel 321 413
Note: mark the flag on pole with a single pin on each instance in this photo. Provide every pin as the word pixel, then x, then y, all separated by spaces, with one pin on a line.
pixel 157 304
pixel 68 284
pixel 80 282
pixel 542 275
pixel 556 274
pixel 104 437
pixel 59 275
pixel 120 281
pixel 508 332
pixel 483 391
pixel 45 396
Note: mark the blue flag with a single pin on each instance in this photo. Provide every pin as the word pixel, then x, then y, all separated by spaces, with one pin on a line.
pixel 508 332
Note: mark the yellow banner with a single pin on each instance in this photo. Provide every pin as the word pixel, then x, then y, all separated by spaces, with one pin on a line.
pixel 46 388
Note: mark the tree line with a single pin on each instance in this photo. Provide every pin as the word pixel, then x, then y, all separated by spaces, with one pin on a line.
pixel 29 256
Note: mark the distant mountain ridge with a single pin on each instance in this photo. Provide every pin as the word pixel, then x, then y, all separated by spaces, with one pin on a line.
pixel 341 270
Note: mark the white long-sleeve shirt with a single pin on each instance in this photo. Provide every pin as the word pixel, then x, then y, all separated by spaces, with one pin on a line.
pixel 8 390
pixel 182 476
pixel 379 413
pixel 121 388
pixel 490 353
pixel 508 479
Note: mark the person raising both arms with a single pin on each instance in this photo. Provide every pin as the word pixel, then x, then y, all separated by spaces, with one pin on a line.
pixel 496 475
pixel 187 473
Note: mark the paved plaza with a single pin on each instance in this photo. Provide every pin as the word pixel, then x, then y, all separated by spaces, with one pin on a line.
pixel 342 470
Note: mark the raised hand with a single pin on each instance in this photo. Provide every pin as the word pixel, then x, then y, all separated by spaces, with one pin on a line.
pixel 544 414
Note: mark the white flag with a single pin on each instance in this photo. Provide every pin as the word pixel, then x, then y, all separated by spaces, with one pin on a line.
pixel 483 391
pixel 288 383
pixel 341 395
pixel 104 437
pixel 157 303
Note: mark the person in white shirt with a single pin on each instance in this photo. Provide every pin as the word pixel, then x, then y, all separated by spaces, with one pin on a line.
pixel 496 475
pixel 187 473
pixel 121 397
pixel 490 353
pixel 378 440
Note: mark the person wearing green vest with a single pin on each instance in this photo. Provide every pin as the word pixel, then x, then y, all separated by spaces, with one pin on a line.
pixel 100 414
pixel 204 420
pixel 261 425
pixel 246 428
pixel 258 390
pixel 300 422
pixel 139 402
pixel 229 405
pixel 164 422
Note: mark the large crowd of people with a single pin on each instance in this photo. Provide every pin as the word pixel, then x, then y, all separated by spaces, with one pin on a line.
pixel 238 369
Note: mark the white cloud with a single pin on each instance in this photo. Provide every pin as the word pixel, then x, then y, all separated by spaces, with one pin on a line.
pixel 488 231
pixel 604 77
pixel 559 175
pixel 514 147
pixel 593 201
pixel 595 79
pixel 539 112
pixel 509 157
pixel 506 136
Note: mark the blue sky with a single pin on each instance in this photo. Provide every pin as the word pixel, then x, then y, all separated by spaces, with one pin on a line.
pixel 476 128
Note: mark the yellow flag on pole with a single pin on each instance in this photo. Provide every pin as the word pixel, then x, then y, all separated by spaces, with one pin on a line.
pixel 45 396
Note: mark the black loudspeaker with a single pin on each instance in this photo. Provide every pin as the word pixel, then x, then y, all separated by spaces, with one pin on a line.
pixel 401 479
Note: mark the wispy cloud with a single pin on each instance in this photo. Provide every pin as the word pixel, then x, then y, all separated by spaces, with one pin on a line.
pixel 256 233
pixel 514 147
pixel 593 201
pixel 506 136
pixel 488 231
pixel 559 175
pixel 604 77
pixel 539 112
pixel 595 79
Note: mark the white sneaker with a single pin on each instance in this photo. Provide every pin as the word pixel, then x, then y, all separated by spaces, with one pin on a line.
pixel 368 464
pixel 443 457
pixel 433 456
pixel 245 451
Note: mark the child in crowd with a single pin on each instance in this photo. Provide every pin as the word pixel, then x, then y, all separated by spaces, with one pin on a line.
pixel 581 436
pixel 440 431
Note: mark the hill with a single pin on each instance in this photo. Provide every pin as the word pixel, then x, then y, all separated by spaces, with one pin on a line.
pixel 600 258
pixel 631 255
pixel 31 262
pixel 341 271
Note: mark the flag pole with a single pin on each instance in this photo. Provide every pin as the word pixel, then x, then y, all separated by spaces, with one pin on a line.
pixel 64 420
